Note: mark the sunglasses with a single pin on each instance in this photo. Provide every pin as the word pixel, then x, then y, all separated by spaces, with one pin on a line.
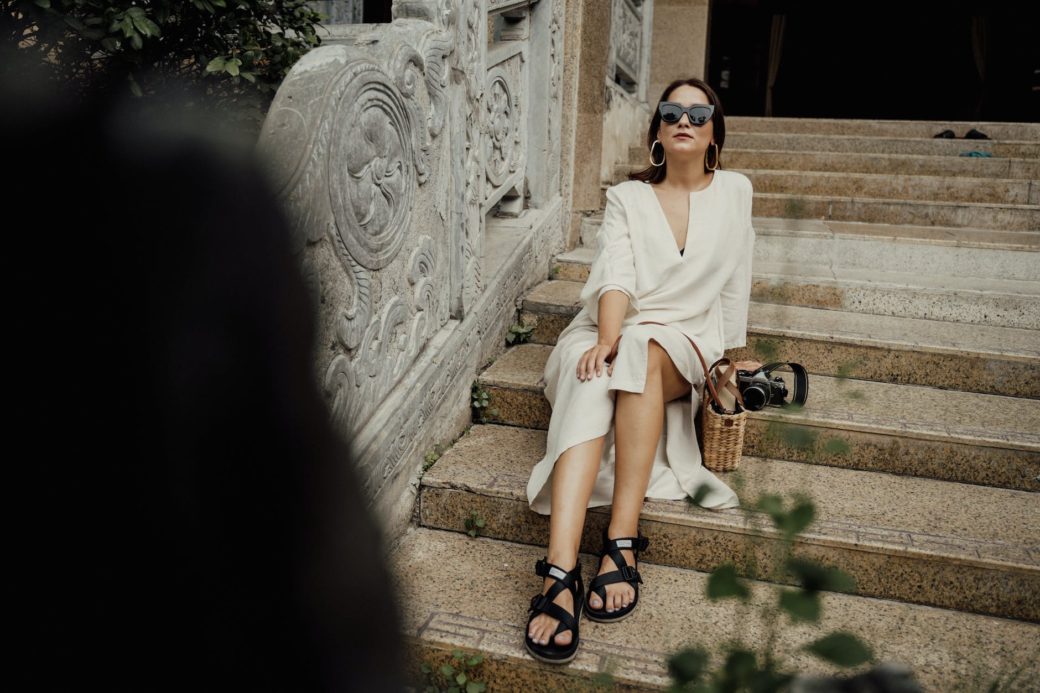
pixel 671 112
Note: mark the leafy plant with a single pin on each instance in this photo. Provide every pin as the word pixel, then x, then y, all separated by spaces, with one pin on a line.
pixel 474 524
pixel 455 676
pixel 742 667
pixel 480 402
pixel 519 334
pixel 231 53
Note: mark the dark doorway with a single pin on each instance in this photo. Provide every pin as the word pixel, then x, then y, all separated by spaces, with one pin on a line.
pixel 884 59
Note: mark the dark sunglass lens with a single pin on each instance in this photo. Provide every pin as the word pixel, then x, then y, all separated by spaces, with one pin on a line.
pixel 701 115
pixel 670 113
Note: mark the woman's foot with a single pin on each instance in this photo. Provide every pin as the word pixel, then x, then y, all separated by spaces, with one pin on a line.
pixel 619 594
pixel 543 625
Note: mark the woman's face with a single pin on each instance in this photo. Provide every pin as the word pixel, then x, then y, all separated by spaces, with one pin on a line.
pixel 682 140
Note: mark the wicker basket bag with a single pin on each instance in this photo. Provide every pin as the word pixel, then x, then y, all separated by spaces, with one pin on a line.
pixel 721 431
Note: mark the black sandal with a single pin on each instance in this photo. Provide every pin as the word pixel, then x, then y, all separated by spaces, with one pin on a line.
pixel 624 573
pixel 543 603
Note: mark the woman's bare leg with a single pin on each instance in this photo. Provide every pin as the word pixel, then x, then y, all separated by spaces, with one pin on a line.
pixel 638 420
pixel 574 476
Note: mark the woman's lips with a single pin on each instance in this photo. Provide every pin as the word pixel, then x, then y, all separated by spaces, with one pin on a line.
pixel 682 136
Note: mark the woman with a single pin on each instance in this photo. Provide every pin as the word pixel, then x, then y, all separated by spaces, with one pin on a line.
pixel 675 247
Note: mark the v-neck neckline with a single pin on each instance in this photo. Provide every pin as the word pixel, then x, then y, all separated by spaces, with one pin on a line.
pixel 689 214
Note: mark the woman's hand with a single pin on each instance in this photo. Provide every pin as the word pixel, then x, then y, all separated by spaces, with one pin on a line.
pixel 594 360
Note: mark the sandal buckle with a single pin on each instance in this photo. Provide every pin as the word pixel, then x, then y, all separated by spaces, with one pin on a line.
pixel 630 573
pixel 539 602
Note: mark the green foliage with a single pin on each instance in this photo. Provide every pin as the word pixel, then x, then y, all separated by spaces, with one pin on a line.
pixel 474 524
pixel 519 334
pixel 234 53
pixel 480 401
pixel 455 676
pixel 743 669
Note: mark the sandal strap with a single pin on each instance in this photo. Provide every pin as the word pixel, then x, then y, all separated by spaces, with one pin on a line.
pixel 542 603
pixel 564 579
pixel 626 574
pixel 639 543
pixel 568 578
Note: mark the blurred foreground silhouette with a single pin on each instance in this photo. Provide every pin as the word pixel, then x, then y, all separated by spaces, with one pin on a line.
pixel 185 516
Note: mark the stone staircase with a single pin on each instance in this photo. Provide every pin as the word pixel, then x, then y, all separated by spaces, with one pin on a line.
pixel 907 279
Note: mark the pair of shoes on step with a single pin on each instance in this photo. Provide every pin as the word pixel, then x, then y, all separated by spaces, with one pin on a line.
pixel 972 134
pixel 543 603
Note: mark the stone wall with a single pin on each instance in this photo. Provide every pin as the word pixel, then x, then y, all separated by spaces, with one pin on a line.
pixel 419 162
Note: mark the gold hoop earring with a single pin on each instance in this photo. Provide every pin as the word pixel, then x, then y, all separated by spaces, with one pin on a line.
pixel 712 168
pixel 652 153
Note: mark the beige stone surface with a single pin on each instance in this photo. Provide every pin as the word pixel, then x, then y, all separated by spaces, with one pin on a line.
pixel 459 591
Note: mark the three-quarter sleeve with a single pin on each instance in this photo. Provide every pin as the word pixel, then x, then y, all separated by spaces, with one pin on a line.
pixel 614 265
pixel 736 293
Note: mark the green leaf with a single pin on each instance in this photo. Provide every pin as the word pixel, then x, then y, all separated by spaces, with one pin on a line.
pixel 475 687
pixel 740 667
pixel 232 67
pixel 800 517
pixel 836 446
pixel 447 670
pixel 45 4
pixel 799 437
pixel 216 65
pixel 724 582
pixel 800 604
pixel 475 660
pixel 688 665
pixel 700 493
pixel 135 41
pixel 249 76
pixel 843 649
pixel 815 576
pixel 461 678
pixel 772 504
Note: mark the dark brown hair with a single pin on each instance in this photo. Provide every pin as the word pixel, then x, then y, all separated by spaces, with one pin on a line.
pixel 656 174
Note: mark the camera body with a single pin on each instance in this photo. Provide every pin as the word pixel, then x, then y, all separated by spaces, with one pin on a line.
pixel 759 390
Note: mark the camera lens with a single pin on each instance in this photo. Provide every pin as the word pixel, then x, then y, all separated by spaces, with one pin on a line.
pixel 754 397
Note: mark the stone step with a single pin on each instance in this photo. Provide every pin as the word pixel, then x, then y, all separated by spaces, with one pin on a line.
pixel 902 234
pixel 849 162
pixel 984 358
pixel 893 534
pixel 892 186
pixel 460 592
pixel 976 215
pixel 897 187
pixel 968 300
pixel 860 144
pixel 924 129
pixel 853 424
pixel 1004 217
pixel 926 279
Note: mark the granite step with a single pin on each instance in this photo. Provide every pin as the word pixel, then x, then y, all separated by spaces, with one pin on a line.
pixel 924 129
pixel 851 162
pixel 893 534
pixel 871 210
pixel 897 187
pixel 982 358
pixel 904 237
pixel 909 430
pixel 867 144
pixel 891 186
pixel 928 277
pixel 460 592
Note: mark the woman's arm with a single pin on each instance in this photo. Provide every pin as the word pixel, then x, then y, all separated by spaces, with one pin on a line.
pixel 612 277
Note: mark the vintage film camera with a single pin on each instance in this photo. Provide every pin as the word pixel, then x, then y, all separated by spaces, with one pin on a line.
pixel 760 388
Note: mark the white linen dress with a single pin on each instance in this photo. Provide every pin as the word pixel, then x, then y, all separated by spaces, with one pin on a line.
pixel 702 292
